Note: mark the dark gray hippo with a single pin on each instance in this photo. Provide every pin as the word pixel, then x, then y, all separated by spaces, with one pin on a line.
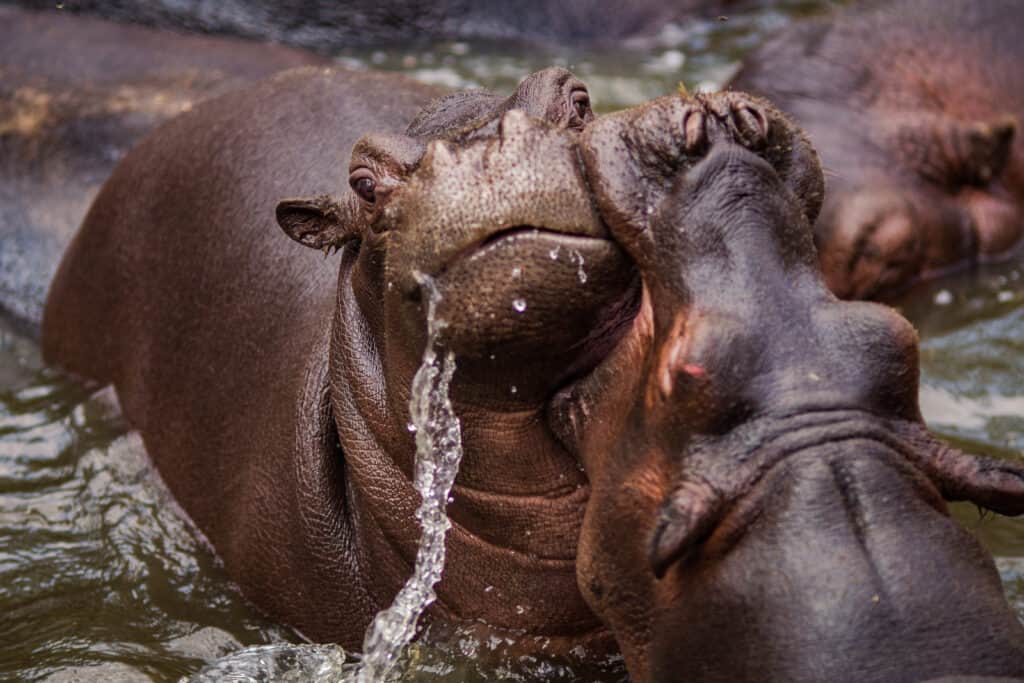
pixel 75 94
pixel 271 385
pixel 914 107
pixel 766 503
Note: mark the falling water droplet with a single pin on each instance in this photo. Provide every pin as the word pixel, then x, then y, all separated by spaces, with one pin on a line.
pixel 519 305
pixel 513 388
pixel 517 272
pixel 650 210
pixel 411 427
pixel 554 253
pixel 944 297
pixel 438 453
pixel 520 609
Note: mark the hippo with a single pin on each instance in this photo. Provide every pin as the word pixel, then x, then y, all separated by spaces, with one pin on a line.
pixel 271 384
pixel 766 503
pixel 660 400
pixel 334 25
pixel 75 94
pixel 914 109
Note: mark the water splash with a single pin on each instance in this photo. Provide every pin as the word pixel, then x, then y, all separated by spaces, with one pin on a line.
pixel 438 453
pixel 519 305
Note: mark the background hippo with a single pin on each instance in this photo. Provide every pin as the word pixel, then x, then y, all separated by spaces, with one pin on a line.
pixel 288 443
pixel 914 108
pixel 766 504
pixel 333 24
pixel 75 94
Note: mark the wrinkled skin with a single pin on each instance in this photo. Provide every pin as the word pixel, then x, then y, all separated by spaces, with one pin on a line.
pixel 271 385
pixel 766 503
pixel 915 110
pixel 75 95
pixel 332 25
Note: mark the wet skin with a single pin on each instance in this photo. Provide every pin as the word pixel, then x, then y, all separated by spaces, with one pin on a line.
pixel 271 385
pixel 75 94
pixel 915 111
pixel 766 503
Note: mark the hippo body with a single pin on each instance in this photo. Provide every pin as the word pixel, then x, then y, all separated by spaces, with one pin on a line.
pixel 915 110
pixel 287 444
pixel 75 94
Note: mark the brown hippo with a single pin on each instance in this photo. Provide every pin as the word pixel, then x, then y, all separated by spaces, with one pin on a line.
pixel 75 95
pixel 914 108
pixel 271 385
pixel 766 503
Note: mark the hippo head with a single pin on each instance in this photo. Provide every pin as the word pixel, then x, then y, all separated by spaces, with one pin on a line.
pixel 486 198
pixel 766 503
pixel 927 195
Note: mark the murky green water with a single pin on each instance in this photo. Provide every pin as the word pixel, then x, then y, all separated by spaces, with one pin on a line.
pixel 101 579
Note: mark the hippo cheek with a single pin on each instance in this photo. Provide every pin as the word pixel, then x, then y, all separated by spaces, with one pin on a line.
pixel 531 308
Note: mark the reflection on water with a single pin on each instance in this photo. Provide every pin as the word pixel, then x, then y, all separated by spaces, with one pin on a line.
pixel 101 579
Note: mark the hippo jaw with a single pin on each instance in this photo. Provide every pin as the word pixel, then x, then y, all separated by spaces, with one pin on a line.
pixel 740 375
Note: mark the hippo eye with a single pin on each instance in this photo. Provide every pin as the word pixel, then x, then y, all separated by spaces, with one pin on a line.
pixel 364 185
pixel 580 102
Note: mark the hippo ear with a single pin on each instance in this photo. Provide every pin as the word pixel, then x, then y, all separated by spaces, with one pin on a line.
pixel 318 222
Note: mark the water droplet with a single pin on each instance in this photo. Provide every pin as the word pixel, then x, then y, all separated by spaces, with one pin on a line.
pixel 492 356
pixel 513 389
pixel 519 305
pixel 411 427
pixel 517 272
pixel 650 210
pixel 944 297
pixel 520 609
pixel 488 589
pixel 578 258
pixel 553 254
pixel 1004 296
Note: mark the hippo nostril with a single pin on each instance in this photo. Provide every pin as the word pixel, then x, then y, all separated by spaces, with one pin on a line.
pixel 688 517
pixel 694 130
pixel 751 124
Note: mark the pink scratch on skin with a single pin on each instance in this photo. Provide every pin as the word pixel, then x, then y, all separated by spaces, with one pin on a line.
pixel 695 370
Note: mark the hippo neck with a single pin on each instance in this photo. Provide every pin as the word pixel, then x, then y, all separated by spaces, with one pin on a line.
pixel 517 503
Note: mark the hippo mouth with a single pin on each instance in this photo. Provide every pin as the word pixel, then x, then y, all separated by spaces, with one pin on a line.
pixel 555 245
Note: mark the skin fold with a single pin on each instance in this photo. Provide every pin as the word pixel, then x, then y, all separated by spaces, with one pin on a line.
pixel 916 112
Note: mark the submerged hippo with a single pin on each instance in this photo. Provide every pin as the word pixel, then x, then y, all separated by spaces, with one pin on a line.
pixel 766 503
pixel 75 95
pixel 914 108
pixel 271 385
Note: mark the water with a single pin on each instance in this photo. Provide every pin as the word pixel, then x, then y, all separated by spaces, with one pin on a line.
pixel 101 579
